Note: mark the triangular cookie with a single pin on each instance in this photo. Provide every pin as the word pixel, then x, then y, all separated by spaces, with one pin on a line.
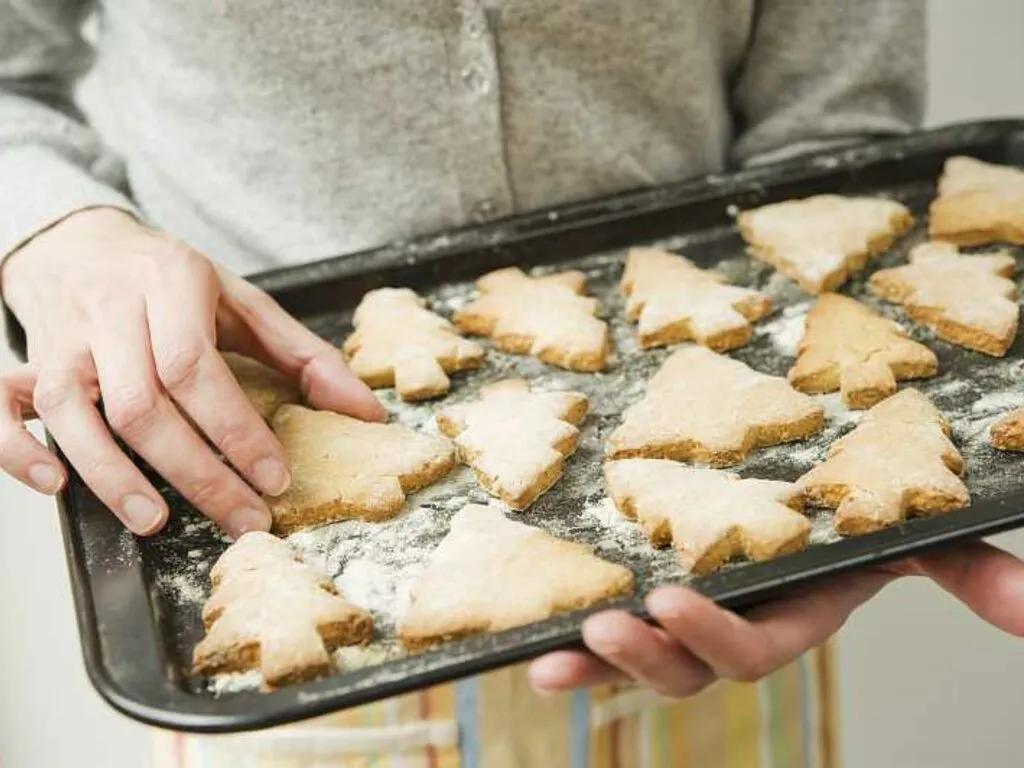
pixel 709 515
pixel 271 611
pixel 702 406
pixel 515 440
pixel 548 317
pixel 266 388
pixel 850 347
pixel 978 203
pixel 898 462
pixel 672 300
pixel 399 343
pixel 345 468
pixel 490 574
pixel 1007 434
pixel 967 299
pixel 821 241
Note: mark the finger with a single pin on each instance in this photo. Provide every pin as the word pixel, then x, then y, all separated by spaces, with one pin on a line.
pixel 62 400
pixel 645 653
pixel 21 455
pixel 195 375
pixel 988 580
pixel 140 413
pixel 565 670
pixel 289 346
pixel 770 636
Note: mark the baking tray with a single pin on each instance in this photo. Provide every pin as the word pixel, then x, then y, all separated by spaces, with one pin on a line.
pixel 137 601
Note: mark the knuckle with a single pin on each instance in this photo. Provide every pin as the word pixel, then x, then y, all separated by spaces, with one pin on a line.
pixel 206 492
pixel 179 366
pixel 51 392
pixel 752 668
pixel 132 411
pixel 235 438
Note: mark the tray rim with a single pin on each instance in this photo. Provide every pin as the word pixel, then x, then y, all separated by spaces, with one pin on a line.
pixel 206 714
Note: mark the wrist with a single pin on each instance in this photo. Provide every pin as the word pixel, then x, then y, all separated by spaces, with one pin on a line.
pixel 17 268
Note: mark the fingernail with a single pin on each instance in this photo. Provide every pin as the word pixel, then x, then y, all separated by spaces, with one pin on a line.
pixel 271 476
pixel 45 478
pixel 249 519
pixel 141 513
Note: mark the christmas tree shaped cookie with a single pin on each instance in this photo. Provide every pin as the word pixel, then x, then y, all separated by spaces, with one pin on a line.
pixel 849 347
pixel 672 300
pixel 514 439
pixel 898 462
pixel 702 406
pixel 978 203
pixel 821 241
pixel 345 468
pixel 548 317
pixel 266 388
pixel 967 299
pixel 1007 434
pixel 399 343
pixel 709 515
pixel 271 611
pixel 490 574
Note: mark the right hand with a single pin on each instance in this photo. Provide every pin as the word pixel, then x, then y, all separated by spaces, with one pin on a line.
pixel 113 310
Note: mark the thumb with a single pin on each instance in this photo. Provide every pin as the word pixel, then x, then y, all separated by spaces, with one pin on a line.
pixel 988 580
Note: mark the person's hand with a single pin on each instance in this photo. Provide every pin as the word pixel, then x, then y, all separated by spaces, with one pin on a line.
pixel 695 642
pixel 115 311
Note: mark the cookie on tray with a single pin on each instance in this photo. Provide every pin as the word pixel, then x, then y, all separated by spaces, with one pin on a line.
pixel 344 468
pixel 849 347
pixel 710 516
pixel 706 407
pixel 1007 434
pixel 548 317
pixel 515 440
pixel 898 462
pixel 271 611
pixel 968 299
pixel 491 573
pixel 821 241
pixel 978 203
pixel 398 342
pixel 671 300
pixel 266 388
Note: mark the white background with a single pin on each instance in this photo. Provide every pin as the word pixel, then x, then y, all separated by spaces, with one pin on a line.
pixel 922 682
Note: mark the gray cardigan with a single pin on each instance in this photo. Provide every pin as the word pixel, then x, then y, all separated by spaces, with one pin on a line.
pixel 269 132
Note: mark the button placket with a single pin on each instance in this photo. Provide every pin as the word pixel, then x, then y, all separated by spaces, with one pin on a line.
pixel 479 157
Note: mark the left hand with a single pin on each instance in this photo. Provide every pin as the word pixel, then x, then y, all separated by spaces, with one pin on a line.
pixel 696 642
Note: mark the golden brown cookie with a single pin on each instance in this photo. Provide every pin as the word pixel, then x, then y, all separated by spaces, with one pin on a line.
pixel 1007 434
pixel 345 468
pixel 491 573
pixel 702 406
pixel 266 388
pixel 821 241
pixel 968 299
pixel 978 203
pixel 850 347
pixel 671 300
pixel 547 317
pixel 709 515
pixel 514 439
pixel 399 343
pixel 897 463
pixel 271 611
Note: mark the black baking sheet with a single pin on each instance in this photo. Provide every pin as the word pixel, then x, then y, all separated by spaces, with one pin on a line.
pixel 137 637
